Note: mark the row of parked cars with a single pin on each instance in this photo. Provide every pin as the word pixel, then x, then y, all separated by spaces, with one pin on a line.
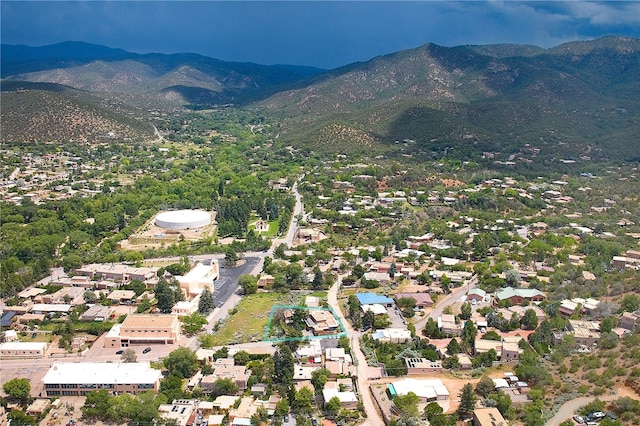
pixel 145 351
pixel 593 418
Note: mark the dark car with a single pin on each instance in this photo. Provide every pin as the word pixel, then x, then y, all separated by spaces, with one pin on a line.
pixel 34 335
pixel 119 352
pixel 285 418
pixel 146 350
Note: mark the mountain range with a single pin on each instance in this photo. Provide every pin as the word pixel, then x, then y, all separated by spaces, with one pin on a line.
pixel 579 99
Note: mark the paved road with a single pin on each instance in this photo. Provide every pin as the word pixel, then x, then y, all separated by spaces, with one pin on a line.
pixel 457 294
pixel 373 416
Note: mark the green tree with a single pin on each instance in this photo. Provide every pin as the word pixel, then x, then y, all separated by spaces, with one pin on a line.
pixel 302 401
pixel 18 389
pixel 224 386
pixel 181 362
pixel 165 296
pixel 282 408
pixel 89 296
pixel 485 386
pixel 319 378
pixel 96 404
pixel 248 283
pixel 530 320
pixel 333 406
pixel 467 401
pixel 468 337
pixel 128 355
pixel 283 365
pixel 241 358
pixel 407 404
pixel 193 323
pixel 453 347
pixel 206 303
pixel 465 311
pixel 20 418
pixel 630 303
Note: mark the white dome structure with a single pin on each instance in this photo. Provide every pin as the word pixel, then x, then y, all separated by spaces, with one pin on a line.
pixel 183 219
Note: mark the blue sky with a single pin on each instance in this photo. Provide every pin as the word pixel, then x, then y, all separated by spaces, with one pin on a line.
pixel 325 34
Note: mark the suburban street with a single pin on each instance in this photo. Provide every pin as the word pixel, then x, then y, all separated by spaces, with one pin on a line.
pixel 373 416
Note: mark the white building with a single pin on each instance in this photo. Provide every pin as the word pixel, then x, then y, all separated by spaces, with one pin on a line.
pixel 80 378
pixel 198 278
pixel 22 349
pixel 426 390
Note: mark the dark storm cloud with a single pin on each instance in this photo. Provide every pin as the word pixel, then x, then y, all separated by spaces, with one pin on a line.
pixel 324 34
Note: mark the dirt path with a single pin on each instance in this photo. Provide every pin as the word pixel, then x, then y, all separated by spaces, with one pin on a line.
pixel 567 409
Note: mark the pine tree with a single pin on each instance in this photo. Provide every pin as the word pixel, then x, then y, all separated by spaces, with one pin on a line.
pixel 467 401
pixel 206 303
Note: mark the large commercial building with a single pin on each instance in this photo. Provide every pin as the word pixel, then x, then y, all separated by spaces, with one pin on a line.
pixel 201 276
pixel 143 330
pixel 80 378
pixel 183 219
pixel 117 272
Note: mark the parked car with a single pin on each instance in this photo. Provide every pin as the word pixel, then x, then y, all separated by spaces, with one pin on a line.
pixel 578 419
pixel 119 352
pixel 146 350
pixel 285 418
pixel 598 415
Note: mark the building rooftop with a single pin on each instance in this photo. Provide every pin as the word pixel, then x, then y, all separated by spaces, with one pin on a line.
pixel 101 372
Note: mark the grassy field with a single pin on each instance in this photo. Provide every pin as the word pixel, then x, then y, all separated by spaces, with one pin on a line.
pixel 250 320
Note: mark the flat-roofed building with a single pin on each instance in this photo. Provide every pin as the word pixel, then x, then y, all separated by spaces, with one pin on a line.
pixel 224 368
pixel 348 398
pixel 22 349
pixel 391 335
pixel 322 322
pixel 586 333
pixel 201 276
pixel 80 378
pixel 629 320
pixel 426 390
pixel 97 313
pixel 422 366
pixel 423 300
pixel 47 308
pixel 66 295
pixel 117 272
pixel 488 416
pixel 142 330
pixel 122 297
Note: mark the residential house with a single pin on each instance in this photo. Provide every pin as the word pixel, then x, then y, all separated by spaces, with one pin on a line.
pixel 427 390
pixel 224 368
pixel 629 320
pixel 488 416
pixel 517 296
pixel 348 398
pixel 476 294
pixel 322 322
pixel 447 323
pixel 373 299
pixel 423 300
pixel 585 333
pixel 392 335
pixel 422 366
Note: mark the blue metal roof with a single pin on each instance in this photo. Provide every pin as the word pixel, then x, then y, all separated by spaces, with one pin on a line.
pixel 372 299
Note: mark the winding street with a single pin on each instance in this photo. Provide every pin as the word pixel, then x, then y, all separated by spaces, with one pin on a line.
pixel 373 416
pixel 567 409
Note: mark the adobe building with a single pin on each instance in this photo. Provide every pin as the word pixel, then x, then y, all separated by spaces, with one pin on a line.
pixel 144 330
pixel 201 276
